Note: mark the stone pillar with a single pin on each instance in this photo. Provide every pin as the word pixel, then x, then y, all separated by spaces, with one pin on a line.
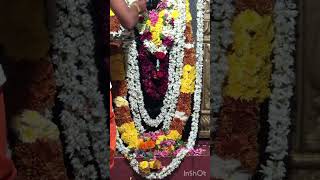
pixel 305 155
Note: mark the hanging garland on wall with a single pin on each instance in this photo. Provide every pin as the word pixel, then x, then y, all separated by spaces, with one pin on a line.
pixel 283 79
pixel 83 117
pixel 222 14
pixel 247 84
pixel 184 87
pixel 30 123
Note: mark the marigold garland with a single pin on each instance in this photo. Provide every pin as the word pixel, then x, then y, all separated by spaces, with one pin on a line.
pixel 247 84
pixel 47 155
pixel 31 125
pixel 167 140
pixel 126 125
pixel 188 79
pixel 189 55
pixel 37 89
pixel 236 137
pixel 260 6
pixel 119 88
pixel 249 63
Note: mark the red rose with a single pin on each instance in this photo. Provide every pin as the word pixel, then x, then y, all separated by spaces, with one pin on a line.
pixel 160 74
pixel 154 75
pixel 160 55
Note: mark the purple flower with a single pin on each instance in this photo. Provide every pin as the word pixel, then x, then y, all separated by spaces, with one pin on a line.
pixel 171 22
pixel 154 90
pixel 167 41
pixel 162 5
pixel 197 152
pixel 161 153
pixel 176 152
pixel 167 143
pixel 146 36
pixel 153 15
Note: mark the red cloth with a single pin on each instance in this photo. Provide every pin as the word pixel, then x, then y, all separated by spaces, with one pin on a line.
pixel 113 134
pixel 7 169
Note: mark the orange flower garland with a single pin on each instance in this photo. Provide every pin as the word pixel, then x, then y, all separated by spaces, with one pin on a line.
pixel 37 89
pixel 260 6
pixel 237 133
pixel 47 155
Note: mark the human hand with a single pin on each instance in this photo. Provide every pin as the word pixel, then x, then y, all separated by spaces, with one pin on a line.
pixel 142 5
pixel 116 47
pixel 115 44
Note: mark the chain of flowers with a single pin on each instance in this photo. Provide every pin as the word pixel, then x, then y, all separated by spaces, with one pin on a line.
pixel 175 71
pixel 169 6
pixel 149 74
pixel 123 116
pixel 222 37
pixel 83 117
pixel 195 116
pixel 282 80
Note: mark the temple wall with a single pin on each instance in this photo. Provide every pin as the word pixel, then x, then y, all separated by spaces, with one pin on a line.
pixel 305 137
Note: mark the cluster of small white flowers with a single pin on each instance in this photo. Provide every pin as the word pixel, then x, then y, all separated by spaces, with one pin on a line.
pixel 227 169
pixel 121 34
pixel 283 79
pixel 154 48
pixel 175 72
pixel 221 38
pixel 83 116
pixel 196 109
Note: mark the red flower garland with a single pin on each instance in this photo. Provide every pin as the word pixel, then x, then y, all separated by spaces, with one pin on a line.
pixel 237 134
pixel 154 82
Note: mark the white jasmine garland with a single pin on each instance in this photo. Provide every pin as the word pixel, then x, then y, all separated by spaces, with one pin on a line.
pixel 196 109
pixel 153 48
pixel 228 169
pixel 121 34
pixel 175 72
pixel 221 38
pixel 83 118
pixel 181 115
pixel 282 80
pixel 189 45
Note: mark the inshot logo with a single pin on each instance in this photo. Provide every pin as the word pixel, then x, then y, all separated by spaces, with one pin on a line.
pixel 194 173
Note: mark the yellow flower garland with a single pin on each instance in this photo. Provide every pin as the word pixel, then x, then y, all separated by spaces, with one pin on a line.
pixel 31 125
pixel 174 135
pixel 188 79
pixel 120 101
pixel 129 134
pixel 188 14
pixel 249 64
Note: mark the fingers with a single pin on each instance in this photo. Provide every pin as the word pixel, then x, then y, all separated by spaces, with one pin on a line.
pixel 143 5
pixel 115 44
